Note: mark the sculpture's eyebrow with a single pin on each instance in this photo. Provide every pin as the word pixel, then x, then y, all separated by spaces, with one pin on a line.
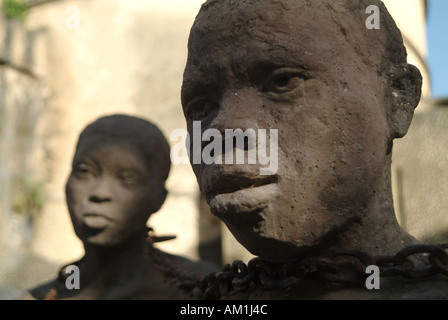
pixel 269 59
pixel 248 65
pixel 86 158
pixel 200 80
pixel 130 174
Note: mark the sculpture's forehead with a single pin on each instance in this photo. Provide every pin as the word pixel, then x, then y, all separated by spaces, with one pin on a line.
pixel 246 40
pixel 129 132
pixel 111 147
pixel 270 22
pixel 93 142
pixel 234 28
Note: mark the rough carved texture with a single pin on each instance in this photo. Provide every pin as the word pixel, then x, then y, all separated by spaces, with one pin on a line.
pixel 338 96
pixel 338 93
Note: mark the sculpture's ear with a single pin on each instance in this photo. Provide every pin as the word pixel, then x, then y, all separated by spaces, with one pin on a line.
pixel 403 94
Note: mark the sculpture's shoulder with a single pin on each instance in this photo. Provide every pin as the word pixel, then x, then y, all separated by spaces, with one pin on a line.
pixel 169 272
pixel 181 264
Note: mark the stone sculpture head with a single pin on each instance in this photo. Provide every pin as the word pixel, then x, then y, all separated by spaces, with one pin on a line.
pixel 338 94
pixel 117 180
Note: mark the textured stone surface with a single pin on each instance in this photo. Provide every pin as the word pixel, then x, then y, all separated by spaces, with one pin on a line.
pixel 336 104
pixel 338 96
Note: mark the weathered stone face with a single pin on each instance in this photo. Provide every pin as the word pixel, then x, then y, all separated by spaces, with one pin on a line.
pixel 259 65
pixel 117 179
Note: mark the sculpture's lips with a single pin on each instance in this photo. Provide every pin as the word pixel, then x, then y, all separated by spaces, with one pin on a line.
pixel 243 201
pixel 239 192
pixel 95 221
pixel 217 181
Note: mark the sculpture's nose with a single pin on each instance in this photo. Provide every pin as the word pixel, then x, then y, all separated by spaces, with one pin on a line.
pixel 101 191
pixel 236 124
pixel 238 109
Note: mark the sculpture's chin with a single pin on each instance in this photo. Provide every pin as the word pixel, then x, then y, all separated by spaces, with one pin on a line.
pixel 270 249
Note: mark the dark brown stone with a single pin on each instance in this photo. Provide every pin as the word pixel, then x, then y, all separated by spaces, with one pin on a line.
pixel 338 94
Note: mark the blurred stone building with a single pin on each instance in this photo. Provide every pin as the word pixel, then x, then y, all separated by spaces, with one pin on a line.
pixel 65 65
pixel 420 162
pixel 71 61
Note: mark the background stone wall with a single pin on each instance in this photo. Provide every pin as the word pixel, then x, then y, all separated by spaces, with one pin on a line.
pixel 421 176
pixel 23 103
pixel 98 57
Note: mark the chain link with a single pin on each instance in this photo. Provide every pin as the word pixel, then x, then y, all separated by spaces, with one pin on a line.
pixel 346 267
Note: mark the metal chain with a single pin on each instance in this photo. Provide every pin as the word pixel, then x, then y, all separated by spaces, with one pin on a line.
pixel 347 267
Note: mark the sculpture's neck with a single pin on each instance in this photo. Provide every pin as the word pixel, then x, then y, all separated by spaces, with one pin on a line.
pixel 128 261
pixel 378 232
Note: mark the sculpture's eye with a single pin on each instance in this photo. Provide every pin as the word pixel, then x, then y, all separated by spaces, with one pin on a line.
pixel 129 177
pixel 83 170
pixel 284 80
pixel 199 108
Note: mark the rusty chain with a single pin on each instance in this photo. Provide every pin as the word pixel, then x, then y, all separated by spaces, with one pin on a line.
pixel 343 266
